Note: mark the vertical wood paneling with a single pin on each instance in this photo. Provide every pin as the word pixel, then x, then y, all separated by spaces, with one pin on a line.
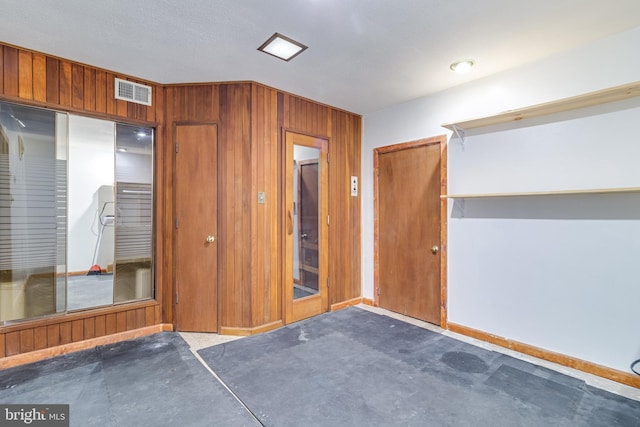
pixel 234 188
pixel 101 91
pixel 77 330
pixel 10 71
pixel 110 94
pixel 344 132
pixel 140 319
pixel 111 326
pixel 25 75
pixel 100 326
pixel 65 333
pixel 40 338
pixel 121 321
pixel 1 69
pixel 77 86
pixel 131 320
pixel 265 295
pixel 89 89
pixel 89 328
pixel 12 343
pixel 149 316
pixel 39 77
pixel 2 342
pixel 53 335
pixel 53 81
pixel 26 340
pixel 65 84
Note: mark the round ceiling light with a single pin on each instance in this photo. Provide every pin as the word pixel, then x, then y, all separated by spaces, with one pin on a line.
pixel 462 66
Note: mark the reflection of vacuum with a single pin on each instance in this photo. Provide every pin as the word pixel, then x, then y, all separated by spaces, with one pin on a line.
pixel 95 268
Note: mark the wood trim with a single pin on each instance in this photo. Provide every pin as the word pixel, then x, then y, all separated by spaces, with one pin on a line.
pixel 347 303
pixel 442 140
pixel 368 301
pixel 230 330
pixel 613 94
pixel 561 359
pixel 444 239
pixel 35 356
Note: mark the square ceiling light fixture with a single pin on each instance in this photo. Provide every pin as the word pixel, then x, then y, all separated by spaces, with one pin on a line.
pixel 282 47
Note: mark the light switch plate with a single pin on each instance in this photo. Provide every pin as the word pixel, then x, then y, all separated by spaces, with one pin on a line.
pixel 261 197
pixel 354 186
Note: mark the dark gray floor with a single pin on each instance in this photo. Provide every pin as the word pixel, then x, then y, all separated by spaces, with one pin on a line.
pixel 348 368
pixel 357 368
pixel 150 381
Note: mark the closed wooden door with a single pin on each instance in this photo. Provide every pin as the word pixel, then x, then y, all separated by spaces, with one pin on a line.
pixel 408 213
pixel 306 222
pixel 195 252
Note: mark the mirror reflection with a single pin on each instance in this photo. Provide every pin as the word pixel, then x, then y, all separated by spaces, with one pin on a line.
pixel 33 219
pixel 305 221
pixel 91 214
pixel 76 212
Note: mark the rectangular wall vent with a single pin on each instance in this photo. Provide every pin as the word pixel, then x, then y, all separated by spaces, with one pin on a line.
pixel 133 92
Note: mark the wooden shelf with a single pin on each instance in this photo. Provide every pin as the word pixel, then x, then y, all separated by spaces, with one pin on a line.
pixel 544 193
pixel 617 93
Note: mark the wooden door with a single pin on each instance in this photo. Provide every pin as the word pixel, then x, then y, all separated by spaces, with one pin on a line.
pixel 306 226
pixel 195 187
pixel 408 209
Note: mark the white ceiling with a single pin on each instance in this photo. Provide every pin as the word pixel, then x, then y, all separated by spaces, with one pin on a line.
pixel 364 55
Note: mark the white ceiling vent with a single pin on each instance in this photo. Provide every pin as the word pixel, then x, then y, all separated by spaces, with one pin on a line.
pixel 133 92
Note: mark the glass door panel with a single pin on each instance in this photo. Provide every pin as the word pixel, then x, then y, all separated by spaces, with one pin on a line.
pixel 33 211
pixel 134 202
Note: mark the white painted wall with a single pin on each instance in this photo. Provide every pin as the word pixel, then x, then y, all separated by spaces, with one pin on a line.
pixel 560 274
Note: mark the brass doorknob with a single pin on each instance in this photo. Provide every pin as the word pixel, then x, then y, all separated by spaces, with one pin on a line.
pixel 210 239
pixel 435 249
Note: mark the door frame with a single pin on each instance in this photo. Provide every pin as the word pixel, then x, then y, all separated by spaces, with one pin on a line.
pixel 442 140
pixel 174 284
pixel 305 305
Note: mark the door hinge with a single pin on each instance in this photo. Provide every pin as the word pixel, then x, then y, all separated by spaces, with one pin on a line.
pixel 327 282
pixel 378 291
pixel 328 157
pixel 177 223
pixel 177 299
pixel 328 219
pixel 176 147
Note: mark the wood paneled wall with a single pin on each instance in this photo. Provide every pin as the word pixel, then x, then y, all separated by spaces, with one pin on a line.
pixel 41 80
pixel 344 131
pixel 36 79
pixel 66 329
pixel 251 118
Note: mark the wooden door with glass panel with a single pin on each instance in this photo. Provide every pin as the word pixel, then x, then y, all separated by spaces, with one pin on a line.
pixel 306 222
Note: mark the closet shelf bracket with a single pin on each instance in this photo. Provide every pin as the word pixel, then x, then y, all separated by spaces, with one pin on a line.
pixel 460 134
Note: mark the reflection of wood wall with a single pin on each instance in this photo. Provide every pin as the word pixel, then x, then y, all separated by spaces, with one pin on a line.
pixel 251 118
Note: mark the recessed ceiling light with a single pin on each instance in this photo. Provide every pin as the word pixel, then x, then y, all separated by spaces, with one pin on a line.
pixel 282 47
pixel 462 66
pixel 122 150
